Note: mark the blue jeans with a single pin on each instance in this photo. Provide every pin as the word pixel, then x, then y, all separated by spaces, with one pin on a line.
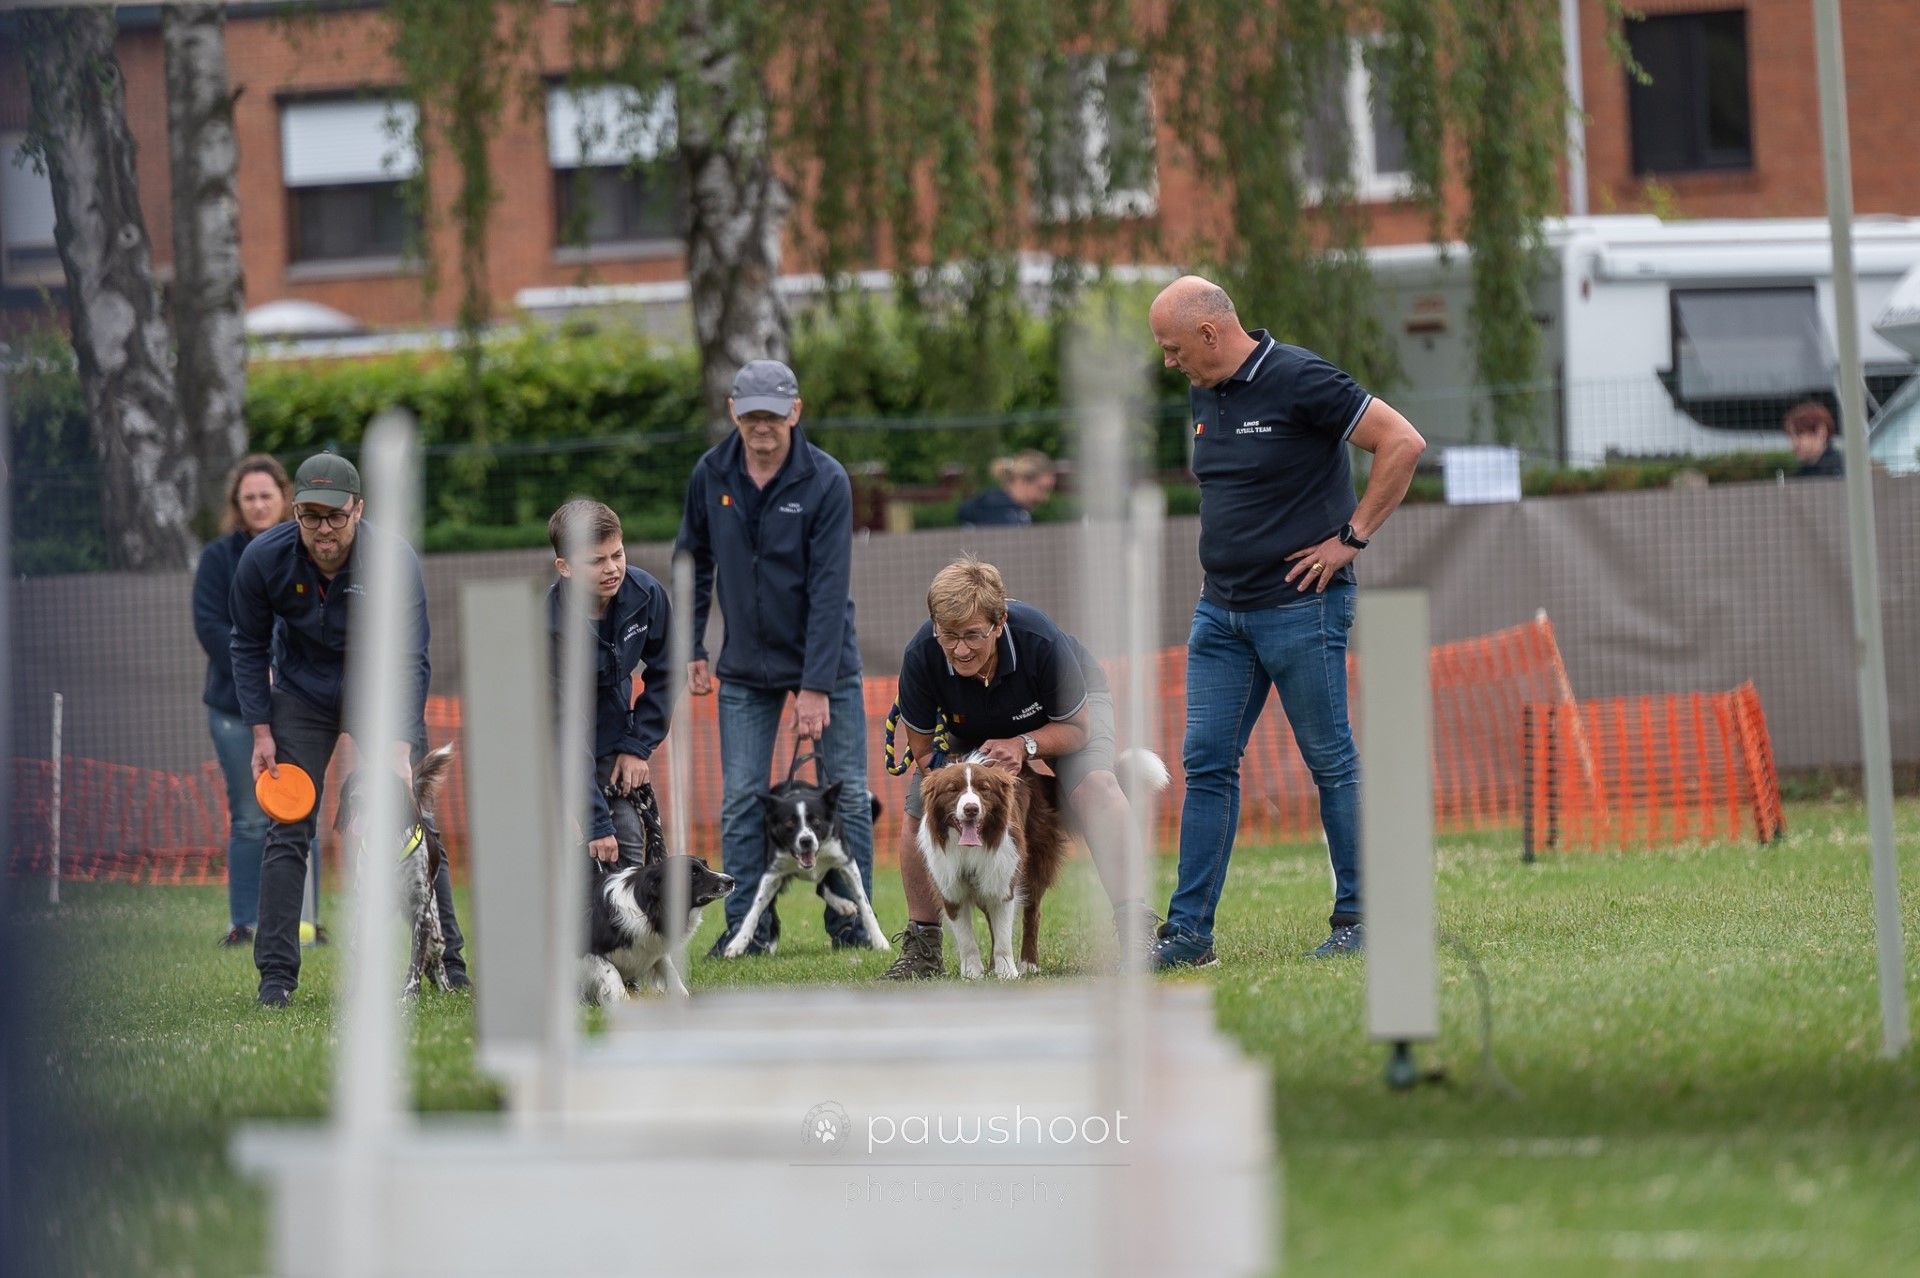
pixel 749 720
pixel 247 824
pixel 1233 658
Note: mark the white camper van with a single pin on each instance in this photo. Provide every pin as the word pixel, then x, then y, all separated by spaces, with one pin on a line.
pixel 1661 338
pixel 1895 442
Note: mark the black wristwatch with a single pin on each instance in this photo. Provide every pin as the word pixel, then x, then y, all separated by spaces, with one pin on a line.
pixel 1348 537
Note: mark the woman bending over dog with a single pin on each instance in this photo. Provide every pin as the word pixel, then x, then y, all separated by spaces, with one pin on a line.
pixel 1016 688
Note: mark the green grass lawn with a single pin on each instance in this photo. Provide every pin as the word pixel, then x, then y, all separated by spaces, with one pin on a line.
pixel 1693 1034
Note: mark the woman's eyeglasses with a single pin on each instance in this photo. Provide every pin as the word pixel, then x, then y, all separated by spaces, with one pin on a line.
pixel 971 638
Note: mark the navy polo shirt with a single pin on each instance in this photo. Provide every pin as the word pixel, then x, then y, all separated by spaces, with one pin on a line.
pixel 1270 452
pixel 1042 676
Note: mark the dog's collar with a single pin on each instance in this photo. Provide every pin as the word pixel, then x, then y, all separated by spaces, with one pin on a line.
pixel 414 841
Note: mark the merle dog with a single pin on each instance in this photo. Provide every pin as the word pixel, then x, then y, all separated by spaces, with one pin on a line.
pixel 421 852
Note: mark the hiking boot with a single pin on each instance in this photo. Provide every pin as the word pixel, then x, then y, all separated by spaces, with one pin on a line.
pixel 241 935
pixel 1346 938
pixel 1182 949
pixel 920 958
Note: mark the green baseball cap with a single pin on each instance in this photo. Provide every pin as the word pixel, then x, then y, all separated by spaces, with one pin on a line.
pixel 326 479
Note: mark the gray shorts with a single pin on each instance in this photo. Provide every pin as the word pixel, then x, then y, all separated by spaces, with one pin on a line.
pixel 1095 756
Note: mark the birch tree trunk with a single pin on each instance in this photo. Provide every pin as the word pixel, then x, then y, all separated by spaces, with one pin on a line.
pixel 208 316
pixel 150 476
pixel 736 208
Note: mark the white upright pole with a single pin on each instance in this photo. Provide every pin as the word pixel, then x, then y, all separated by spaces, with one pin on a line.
pixel 570 868
pixel 679 652
pixel 1396 824
pixel 1870 658
pixel 368 1104
pixel 59 710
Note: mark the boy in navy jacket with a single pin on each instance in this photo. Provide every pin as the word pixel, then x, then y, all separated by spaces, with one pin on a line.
pixel 630 623
pixel 291 603
pixel 769 524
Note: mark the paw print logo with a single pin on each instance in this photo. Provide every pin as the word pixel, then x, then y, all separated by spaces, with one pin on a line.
pixel 826 1127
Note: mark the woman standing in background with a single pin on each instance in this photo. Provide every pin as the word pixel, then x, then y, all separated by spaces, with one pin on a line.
pixel 259 495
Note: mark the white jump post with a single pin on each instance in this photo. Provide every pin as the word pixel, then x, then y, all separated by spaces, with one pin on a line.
pixel 59 712
pixel 369 1106
pixel 679 777
pixel 1396 825
pixel 508 747
pixel 569 866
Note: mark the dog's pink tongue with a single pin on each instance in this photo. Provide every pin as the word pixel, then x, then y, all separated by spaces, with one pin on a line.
pixel 969 834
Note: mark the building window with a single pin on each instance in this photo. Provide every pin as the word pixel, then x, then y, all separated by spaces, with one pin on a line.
pixel 1741 343
pixel 615 179
pixel 28 258
pixel 1695 113
pixel 1094 144
pixel 1376 154
pixel 344 162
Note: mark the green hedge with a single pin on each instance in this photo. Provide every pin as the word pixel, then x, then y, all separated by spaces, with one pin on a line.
pixel 545 414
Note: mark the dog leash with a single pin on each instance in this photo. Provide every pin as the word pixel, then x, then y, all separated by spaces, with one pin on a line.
pixel 819 765
pixel 654 838
pixel 899 755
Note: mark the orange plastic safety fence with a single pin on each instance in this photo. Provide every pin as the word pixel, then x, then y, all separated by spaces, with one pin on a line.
pixel 1648 771
pixel 129 823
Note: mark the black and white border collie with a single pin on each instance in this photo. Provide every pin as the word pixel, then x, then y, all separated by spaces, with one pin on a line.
pixel 994 841
pixel 803 839
pixel 627 941
pixel 421 852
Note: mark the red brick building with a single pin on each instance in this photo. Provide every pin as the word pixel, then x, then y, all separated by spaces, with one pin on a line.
pixel 1729 129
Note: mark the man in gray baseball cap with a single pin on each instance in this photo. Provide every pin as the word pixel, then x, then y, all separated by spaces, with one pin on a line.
pixel 765 386
pixel 769 524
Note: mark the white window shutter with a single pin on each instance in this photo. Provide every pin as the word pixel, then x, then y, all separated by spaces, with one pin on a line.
pixel 347 142
pixel 608 124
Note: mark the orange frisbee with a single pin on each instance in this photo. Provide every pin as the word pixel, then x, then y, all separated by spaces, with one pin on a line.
pixel 287 799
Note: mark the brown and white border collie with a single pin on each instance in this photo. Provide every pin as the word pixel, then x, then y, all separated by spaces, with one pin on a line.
pixel 992 841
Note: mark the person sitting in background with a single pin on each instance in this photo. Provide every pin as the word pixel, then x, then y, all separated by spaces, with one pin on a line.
pixel 1025 480
pixel 259 495
pixel 1810 431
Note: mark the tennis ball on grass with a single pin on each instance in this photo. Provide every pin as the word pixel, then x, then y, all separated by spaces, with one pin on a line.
pixel 307 934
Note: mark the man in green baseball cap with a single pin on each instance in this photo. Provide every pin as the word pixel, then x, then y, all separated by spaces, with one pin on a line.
pixel 292 600
pixel 326 479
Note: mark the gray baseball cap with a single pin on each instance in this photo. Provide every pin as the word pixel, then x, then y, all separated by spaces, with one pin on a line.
pixel 765 386
pixel 326 479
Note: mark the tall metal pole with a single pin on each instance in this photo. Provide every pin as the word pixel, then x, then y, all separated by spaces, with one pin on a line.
pixel 1868 644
